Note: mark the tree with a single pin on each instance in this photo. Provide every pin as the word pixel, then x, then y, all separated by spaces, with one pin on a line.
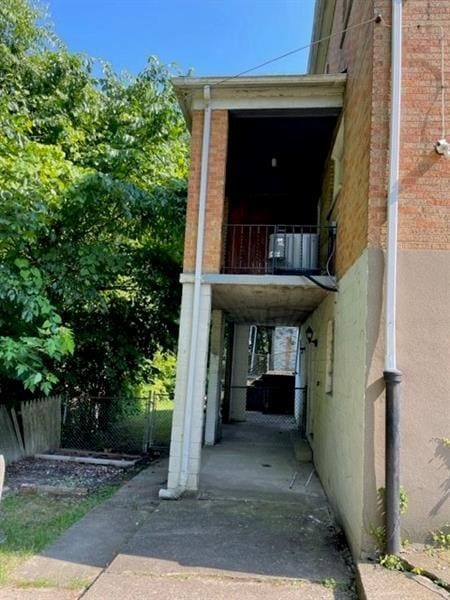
pixel 92 195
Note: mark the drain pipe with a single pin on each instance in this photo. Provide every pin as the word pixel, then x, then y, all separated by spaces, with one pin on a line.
pixel 169 494
pixel 197 288
pixel 392 376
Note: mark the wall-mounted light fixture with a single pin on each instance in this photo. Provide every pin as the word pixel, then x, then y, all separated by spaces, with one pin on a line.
pixel 310 336
pixel 274 162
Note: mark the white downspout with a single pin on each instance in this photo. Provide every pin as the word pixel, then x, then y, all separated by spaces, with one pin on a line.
pixel 390 362
pixel 197 287
pixel 391 375
pixel 170 494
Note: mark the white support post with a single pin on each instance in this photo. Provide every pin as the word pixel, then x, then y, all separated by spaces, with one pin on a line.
pixel 238 396
pixel 184 345
pixel 190 479
pixel 299 379
pixel 2 479
pixel 212 426
pixel 2 474
pixel 179 481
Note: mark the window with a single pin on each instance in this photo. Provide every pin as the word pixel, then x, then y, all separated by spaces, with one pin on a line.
pixel 338 159
pixel 329 358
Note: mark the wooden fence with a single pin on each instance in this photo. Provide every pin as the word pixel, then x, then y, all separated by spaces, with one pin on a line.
pixel 11 445
pixel 41 422
pixel 41 428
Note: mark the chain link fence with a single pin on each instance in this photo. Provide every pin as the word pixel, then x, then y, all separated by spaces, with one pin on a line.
pixel 132 425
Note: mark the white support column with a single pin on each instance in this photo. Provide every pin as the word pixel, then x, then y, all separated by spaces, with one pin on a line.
pixel 238 396
pixel 212 426
pixel 179 433
pixel 196 434
pixel 184 343
pixel 299 383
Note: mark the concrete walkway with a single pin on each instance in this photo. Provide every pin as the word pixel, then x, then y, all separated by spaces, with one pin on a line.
pixel 259 528
pixel 253 531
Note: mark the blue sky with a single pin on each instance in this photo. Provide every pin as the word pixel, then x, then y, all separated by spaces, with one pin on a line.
pixel 214 37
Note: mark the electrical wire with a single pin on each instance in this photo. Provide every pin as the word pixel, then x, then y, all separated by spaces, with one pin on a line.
pixel 376 19
pixel 321 285
pixel 442 81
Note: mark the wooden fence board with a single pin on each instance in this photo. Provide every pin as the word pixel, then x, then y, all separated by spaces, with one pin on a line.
pixel 41 420
pixel 17 430
pixel 9 444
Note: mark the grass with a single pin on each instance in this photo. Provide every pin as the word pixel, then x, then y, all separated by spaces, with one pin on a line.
pixel 163 422
pixel 32 522
pixel 127 433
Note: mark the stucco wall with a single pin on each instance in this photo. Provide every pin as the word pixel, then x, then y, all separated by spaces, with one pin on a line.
pixel 348 425
pixel 423 322
pixel 424 357
pixel 423 326
pixel 339 418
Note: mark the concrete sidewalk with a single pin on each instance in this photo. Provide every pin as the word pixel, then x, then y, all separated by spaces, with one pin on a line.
pixel 253 531
pixel 260 528
pixel 80 554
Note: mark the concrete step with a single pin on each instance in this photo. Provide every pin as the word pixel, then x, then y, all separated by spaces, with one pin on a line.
pixel 302 449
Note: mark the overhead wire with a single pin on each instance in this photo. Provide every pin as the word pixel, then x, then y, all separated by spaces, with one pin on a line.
pixel 377 18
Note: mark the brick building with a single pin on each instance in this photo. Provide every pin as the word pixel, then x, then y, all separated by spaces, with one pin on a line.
pixel 287 225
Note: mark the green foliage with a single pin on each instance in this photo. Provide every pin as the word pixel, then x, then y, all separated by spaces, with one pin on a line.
pixel 379 533
pixel 392 562
pixel 442 538
pixel 403 496
pixel 404 500
pixel 92 195
pixel 162 374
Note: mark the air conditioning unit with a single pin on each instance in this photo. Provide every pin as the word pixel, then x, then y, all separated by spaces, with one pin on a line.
pixel 294 251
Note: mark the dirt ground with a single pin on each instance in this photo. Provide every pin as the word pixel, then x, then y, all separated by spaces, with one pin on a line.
pixel 65 474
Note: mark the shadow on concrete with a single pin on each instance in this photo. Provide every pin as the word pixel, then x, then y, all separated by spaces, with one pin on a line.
pixel 259 517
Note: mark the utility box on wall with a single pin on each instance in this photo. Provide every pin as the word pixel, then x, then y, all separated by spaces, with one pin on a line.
pixel 294 251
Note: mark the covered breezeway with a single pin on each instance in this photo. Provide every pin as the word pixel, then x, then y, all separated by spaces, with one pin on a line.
pixel 257 456
pixel 239 302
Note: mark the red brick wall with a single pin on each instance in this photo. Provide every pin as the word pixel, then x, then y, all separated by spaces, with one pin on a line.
pixel 424 197
pixel 215 202
pixel 424 205
pixel 356 56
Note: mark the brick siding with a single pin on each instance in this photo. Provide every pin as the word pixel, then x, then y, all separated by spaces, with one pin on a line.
pixel 215 205
pixel 424 197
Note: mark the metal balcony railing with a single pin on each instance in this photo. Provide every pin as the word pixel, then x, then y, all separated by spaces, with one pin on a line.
pixel 280 249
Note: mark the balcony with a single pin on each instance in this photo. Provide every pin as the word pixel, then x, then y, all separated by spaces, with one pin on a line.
pixel 280 250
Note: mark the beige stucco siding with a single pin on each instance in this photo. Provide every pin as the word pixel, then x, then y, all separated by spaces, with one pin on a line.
pixel 424 357
pixel 338 418
pixel 348 425
pixel 423 334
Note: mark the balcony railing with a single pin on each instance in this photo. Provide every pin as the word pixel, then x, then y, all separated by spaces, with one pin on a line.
pixel 280 249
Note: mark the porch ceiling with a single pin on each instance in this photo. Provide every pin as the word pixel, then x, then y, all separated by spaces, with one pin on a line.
pixel 261 305
pixel 265 299
pixel 322 91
